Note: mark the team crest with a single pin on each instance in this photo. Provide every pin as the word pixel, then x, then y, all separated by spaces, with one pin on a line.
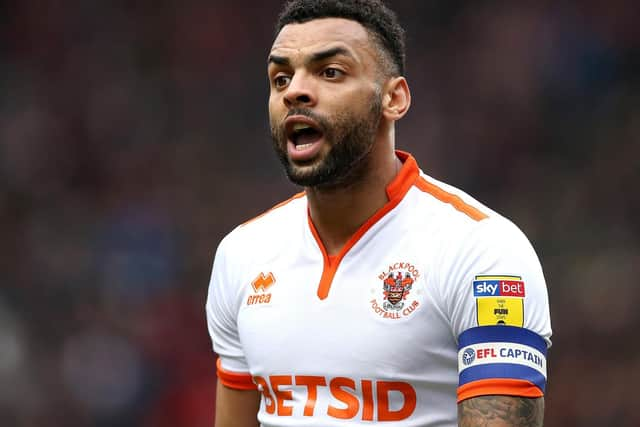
pixel 396 290
pixel 397 299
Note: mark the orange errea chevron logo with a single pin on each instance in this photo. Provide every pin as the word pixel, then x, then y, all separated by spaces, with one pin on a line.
pixel 261 285
pixel 263 282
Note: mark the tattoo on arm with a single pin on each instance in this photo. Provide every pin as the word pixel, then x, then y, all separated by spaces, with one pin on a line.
pixel 501 411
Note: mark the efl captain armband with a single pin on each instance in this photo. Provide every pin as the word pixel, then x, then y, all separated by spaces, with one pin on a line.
pixel 501 360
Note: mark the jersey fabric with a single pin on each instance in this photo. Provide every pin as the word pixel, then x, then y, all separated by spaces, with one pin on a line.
pixel 435 299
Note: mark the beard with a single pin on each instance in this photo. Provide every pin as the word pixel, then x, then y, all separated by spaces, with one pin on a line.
pixel 350 137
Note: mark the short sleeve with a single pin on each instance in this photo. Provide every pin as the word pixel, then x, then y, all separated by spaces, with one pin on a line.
pixel 221 311
pixel 496 299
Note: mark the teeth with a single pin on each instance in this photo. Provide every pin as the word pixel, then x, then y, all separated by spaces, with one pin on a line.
pixel 299 126
pixel 303 146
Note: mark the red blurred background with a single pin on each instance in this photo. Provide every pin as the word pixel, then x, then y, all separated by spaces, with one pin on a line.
pixel 133 137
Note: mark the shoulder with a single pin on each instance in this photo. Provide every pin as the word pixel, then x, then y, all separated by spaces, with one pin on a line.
pixel 459 217
pixel 278 212
pixel 450 201
pixel 466 231
pixel 268 228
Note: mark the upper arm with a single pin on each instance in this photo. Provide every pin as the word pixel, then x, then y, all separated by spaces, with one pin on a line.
pixel 501 411
pixel 496 299
pixel 222 309
pixel 237 398
pixel 236 408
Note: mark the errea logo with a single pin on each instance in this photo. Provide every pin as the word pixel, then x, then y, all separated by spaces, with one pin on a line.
pixel 263 282
pixel 261 285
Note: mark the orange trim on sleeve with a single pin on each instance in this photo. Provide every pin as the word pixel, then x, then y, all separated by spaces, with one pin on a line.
pixel 395 192
pixel 451 199
pixel 279 205
pixel 500 386
pixel 236 380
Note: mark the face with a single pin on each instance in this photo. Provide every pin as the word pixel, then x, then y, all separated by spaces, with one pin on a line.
pixel 325 101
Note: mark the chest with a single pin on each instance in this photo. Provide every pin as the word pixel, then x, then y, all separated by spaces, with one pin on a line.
pixel 379 317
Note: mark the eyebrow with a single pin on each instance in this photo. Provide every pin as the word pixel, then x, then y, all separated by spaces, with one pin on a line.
pixel 278 60
pixel 329 53
pixel 316 57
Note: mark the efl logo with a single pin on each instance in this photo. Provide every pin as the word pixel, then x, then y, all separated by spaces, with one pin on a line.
pixel 468 356
pixel 498 286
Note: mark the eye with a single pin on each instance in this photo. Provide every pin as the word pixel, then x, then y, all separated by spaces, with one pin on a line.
pixel 332 73
pixel 281 81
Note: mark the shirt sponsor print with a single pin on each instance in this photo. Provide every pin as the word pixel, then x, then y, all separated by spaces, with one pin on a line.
pixel 499 300
pixel 336 397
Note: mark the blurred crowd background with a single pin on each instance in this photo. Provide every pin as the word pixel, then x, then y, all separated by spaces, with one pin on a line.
pixel 134 136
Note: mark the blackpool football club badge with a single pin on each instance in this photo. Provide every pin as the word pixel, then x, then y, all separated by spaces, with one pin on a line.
pixel 396 296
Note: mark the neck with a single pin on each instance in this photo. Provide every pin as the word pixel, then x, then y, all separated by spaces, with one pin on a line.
pixel 337 213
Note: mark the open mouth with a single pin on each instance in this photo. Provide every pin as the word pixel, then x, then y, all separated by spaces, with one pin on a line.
pixel 304 136
pixel 303 132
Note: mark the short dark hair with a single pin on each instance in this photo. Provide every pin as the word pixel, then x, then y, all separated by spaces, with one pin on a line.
pixel 380 21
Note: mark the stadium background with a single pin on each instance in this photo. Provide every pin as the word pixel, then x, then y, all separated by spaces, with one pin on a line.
pixel 133 136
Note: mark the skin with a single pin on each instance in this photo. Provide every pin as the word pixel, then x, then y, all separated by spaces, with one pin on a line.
pixel 343 85
pixel 236 408
pixel 338 211
pixel 501 411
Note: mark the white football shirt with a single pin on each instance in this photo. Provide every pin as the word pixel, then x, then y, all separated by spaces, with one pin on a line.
pixel 435 299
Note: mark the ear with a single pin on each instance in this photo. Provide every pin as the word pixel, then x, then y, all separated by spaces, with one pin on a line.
pixel 396 98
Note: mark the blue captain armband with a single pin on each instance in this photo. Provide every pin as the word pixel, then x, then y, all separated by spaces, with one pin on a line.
pixel 501 360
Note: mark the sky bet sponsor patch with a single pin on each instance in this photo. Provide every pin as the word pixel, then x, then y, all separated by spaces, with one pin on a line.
pixel 499 300
pixel 498 286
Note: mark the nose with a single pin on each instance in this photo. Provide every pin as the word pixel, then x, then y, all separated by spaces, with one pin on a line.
pixel 300 91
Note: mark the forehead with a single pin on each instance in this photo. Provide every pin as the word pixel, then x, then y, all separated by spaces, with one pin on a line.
pixel 319 33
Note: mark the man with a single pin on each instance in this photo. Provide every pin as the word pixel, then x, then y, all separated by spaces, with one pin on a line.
pixel 378 295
